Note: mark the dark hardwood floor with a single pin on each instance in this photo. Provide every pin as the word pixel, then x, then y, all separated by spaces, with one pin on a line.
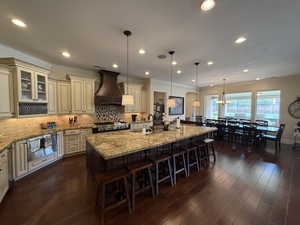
pixel 243 188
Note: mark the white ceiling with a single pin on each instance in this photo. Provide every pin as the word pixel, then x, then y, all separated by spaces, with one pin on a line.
pixel 91 30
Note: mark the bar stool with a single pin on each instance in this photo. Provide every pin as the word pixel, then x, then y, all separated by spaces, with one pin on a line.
pixel 178 157
pixel 203 157
pixel 140 167
pixel 162 163
pixel 209 144
pixel 192 152
pixel 106 178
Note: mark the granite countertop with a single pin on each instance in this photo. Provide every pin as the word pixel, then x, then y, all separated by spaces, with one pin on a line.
pixel 119 143
pixel 7 139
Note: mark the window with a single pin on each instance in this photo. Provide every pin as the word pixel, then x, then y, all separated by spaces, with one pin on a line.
pixel 268 106
pixel 239 106
pixel 211 107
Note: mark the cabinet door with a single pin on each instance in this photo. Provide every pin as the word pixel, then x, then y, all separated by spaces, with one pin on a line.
pixel 3 174
pixel 89 106
pixel 72 144
pixel 20 161
pixel 84 133
pixel 77 87
pixel 60 144
pixel 6 100
pixel 63 98
pixel 26 84
pixel 41 87
pixel 52 97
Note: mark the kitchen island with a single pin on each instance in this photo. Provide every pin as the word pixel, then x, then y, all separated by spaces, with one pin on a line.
pixel 111 150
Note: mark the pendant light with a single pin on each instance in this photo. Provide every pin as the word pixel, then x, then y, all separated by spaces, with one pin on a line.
pixel 196 103
pixel 126 98
pixel 171 101
pixel 223 99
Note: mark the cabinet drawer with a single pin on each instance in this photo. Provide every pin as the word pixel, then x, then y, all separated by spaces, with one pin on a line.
pixel 72 132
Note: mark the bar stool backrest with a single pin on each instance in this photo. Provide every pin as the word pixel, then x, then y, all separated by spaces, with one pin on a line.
pixel 280 131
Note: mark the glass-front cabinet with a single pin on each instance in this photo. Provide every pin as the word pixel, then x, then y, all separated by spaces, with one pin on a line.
pixel 26 86
pixel 41 87
pixel 32 86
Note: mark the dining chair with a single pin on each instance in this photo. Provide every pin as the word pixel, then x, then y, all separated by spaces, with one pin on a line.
pixel 263 123
pixel 275 138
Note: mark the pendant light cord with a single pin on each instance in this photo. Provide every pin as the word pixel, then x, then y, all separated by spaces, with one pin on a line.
pixel 171 75
pixel 127 62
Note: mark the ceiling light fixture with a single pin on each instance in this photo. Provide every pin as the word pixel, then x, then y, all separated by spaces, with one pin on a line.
pixel 171 101
pixel 210 63
pixel 115 66
pixel 245 70
pixel 207 5
pixel 257 78
pixel 66 54
pixel 240 40
pixel 196 103
pixel 179 71
pixel 174 63
pixel 223 99
pixel 19 23
pixel 142 51
pixel 126 98
pixel 193 80
pixel 147 73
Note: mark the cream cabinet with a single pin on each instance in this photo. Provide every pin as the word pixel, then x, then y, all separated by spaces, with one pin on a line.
pixel 60 144
pixel 19 159
pixel 139 98
pixel 6 94
pixel 4 184
pixel 52 97
pixel 75 140
pixel 82 94
pixel 32 84
pixel 64 97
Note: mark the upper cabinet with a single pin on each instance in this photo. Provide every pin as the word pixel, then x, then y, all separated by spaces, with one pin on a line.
pixel 6 94
pixel 29 86
pixel 64 97
pixel 82 95
pixel 52 97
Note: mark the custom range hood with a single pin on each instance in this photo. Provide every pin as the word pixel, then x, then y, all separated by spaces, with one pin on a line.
pixel 108 92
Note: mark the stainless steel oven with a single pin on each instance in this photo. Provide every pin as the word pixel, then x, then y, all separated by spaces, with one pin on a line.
pixel 41 147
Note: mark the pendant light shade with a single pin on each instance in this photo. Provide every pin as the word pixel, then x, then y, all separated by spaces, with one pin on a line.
pixel 171 101
pixel 196 102
pixel 126 98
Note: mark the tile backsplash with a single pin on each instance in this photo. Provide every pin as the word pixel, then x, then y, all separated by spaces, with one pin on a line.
pixel 108 112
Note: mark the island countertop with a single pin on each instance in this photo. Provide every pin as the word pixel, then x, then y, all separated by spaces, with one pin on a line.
pixel 120 143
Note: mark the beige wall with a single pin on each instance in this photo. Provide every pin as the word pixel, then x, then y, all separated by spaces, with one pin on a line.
pixel 164 86
pixel 288 85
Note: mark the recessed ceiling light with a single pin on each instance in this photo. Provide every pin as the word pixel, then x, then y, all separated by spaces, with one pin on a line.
pixel 147 73
pixel 66 54
pixel 257 78
pixel 19 23
pixel 174 63
pixel 207 5
pixel 115 65
pixel 210 63
pixel 240 40
pixel 142 51
pixel 179 71
pixel 193 80
pixel 245 70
